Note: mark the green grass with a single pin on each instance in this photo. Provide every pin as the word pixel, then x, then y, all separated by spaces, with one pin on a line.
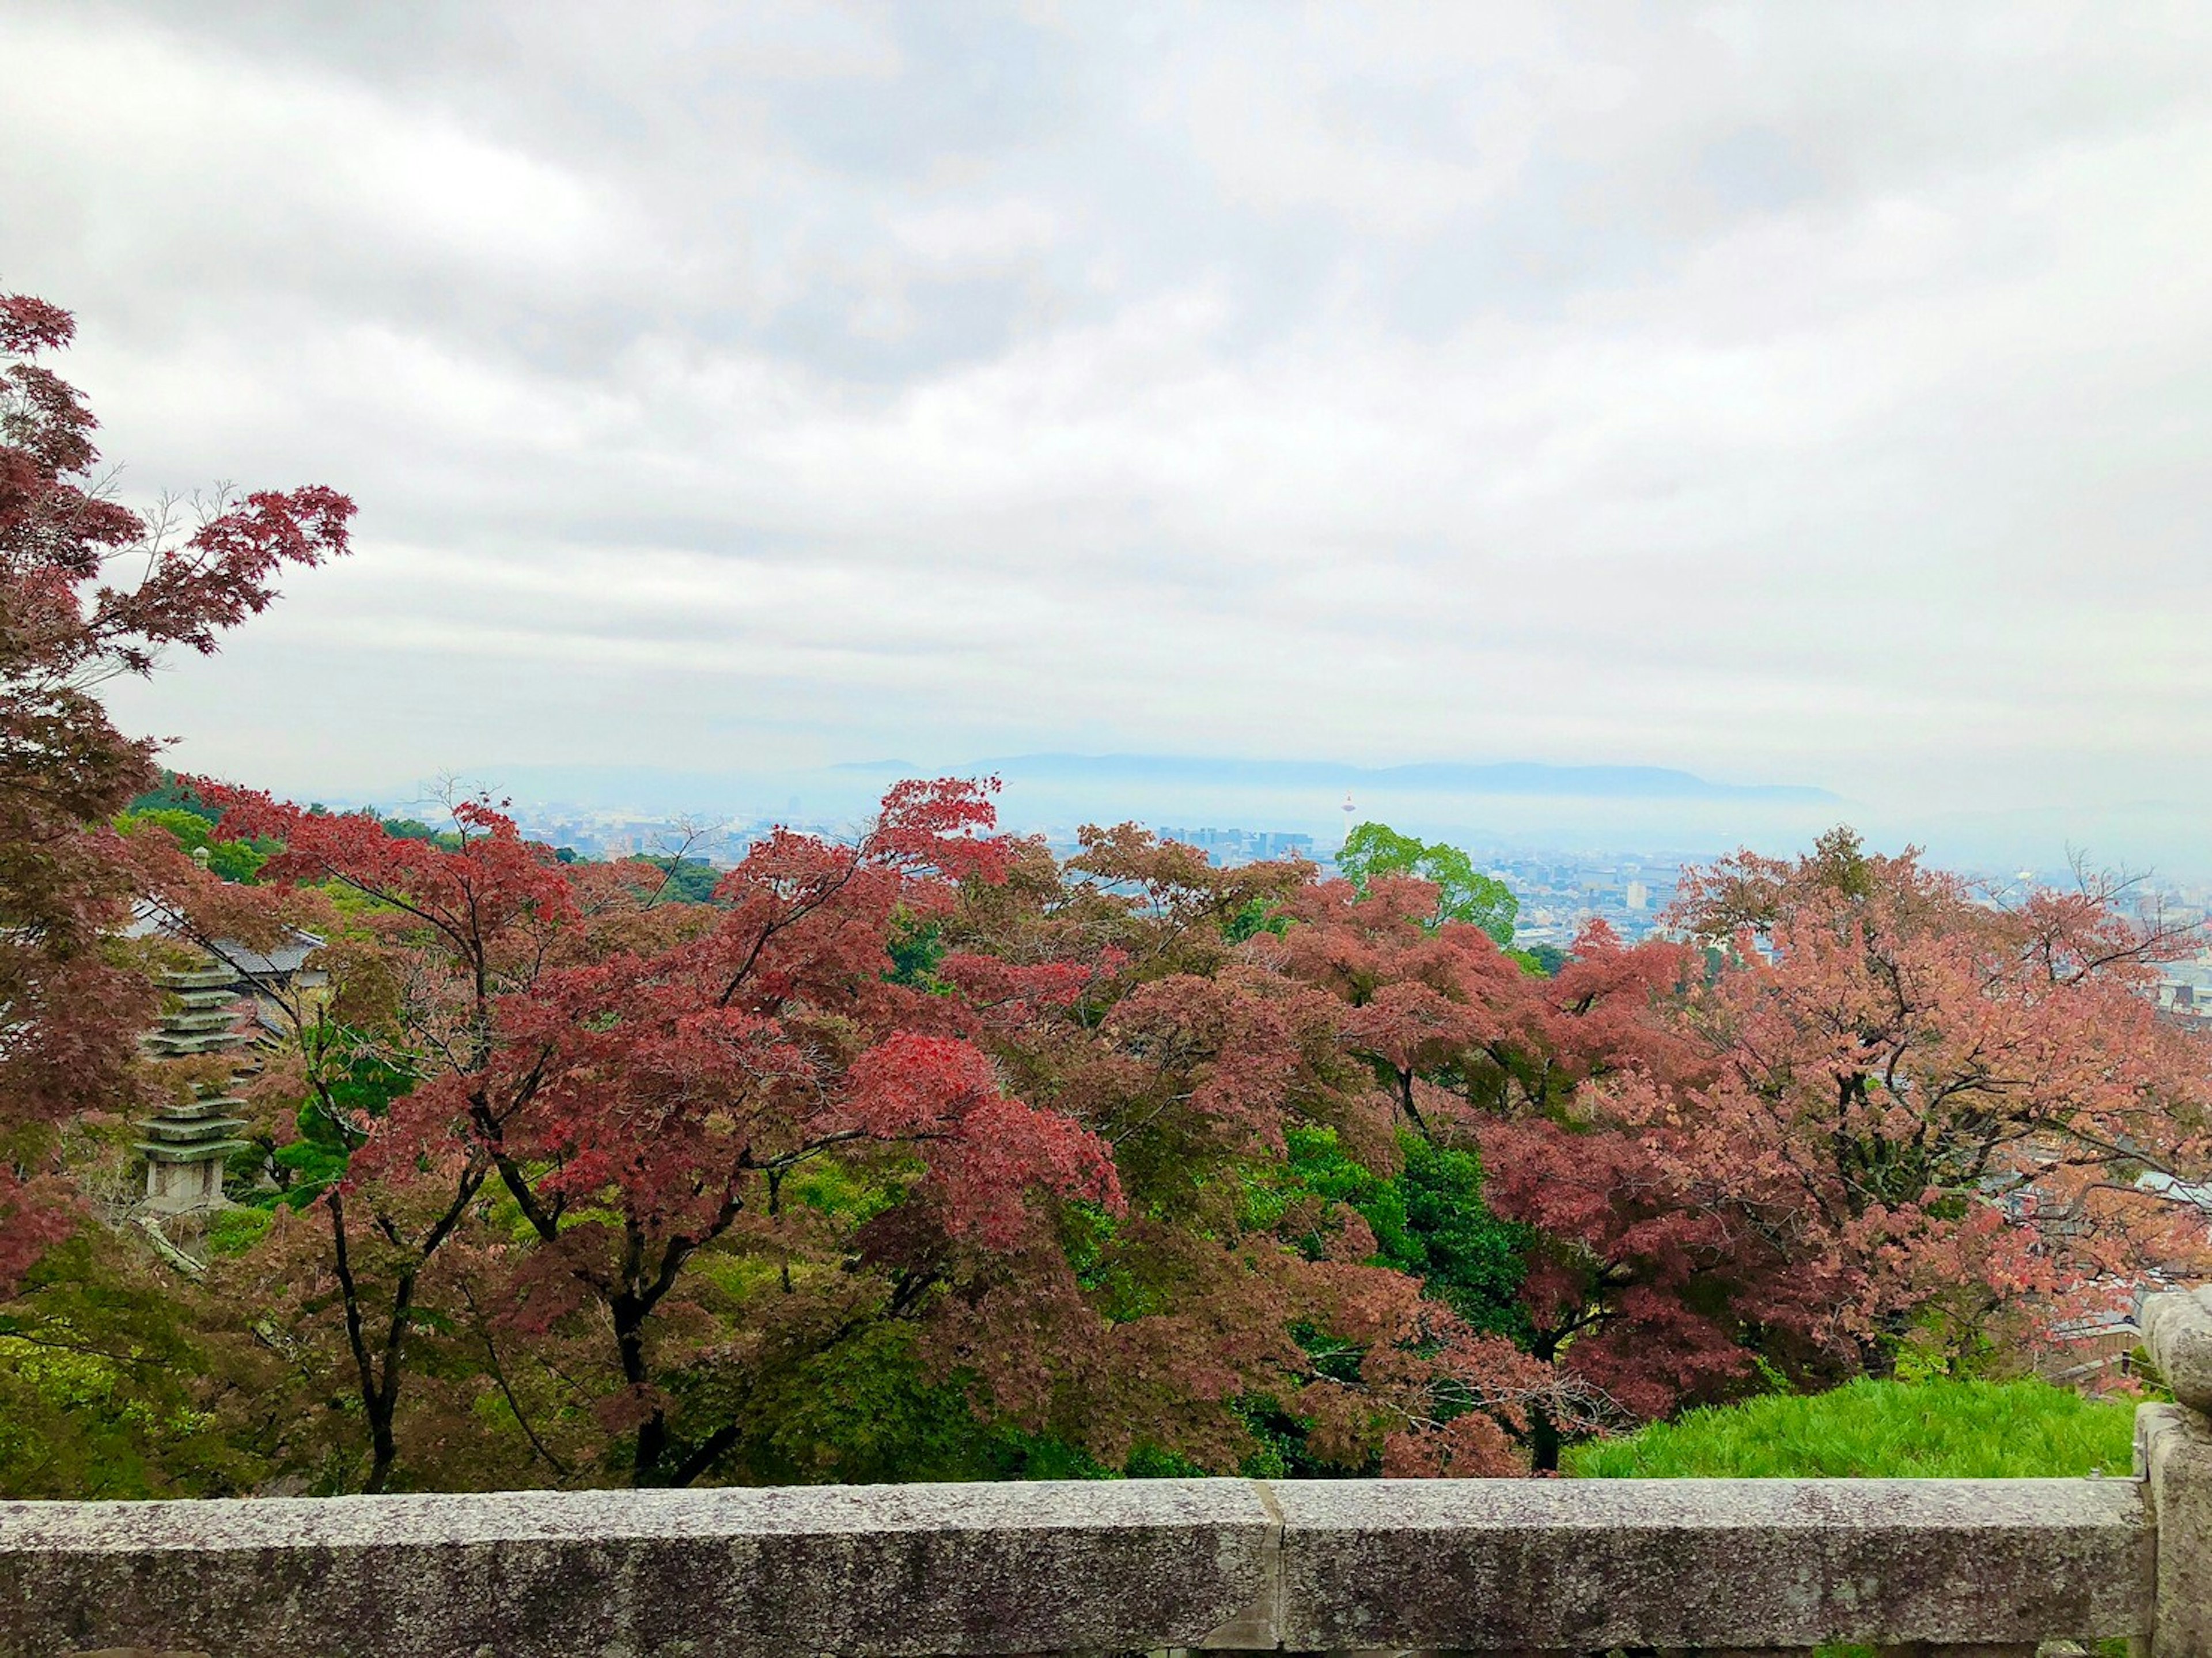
pixel 1879 1430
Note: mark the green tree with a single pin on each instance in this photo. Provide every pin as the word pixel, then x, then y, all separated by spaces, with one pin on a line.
pixel 1548 959
pixel 188 828
pixel 174 794
pixel 414 828
pixel 239 861
pixel 1463 892
pixel 1429 1220
pixel 232 860
pixel 691 880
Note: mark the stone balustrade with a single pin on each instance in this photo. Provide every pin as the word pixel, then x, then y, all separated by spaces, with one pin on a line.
pixel 1302 1566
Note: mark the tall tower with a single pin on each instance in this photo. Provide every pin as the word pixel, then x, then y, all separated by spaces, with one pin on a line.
pixel 187 1144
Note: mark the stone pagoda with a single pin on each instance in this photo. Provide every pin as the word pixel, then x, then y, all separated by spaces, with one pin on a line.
pixel 187 1144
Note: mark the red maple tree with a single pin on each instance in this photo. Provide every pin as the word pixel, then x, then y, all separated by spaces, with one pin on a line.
pixel 1897 1116
pixel 639 1079
pixel 89 590
pixel 1961 1100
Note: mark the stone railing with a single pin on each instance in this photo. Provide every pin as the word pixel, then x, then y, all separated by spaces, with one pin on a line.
pixel 1472 1566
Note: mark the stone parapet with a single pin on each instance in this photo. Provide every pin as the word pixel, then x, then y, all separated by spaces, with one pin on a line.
pixel 1302 1566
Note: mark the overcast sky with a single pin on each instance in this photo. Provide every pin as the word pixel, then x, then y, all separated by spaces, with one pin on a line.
pixel 1813 394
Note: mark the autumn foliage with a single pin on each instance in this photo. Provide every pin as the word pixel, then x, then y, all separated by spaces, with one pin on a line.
pixel 924 1152
pixel 1166 1165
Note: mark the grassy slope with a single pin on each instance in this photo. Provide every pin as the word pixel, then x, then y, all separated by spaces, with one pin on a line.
pixel 1874 1430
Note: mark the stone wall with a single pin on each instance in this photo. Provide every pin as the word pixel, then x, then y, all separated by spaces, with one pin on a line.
pixel 1224 1564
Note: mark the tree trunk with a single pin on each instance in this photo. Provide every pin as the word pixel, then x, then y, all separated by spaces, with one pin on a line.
pixel 628 1313
pixel 383 1451
pixel 379 1393
pixel 1543 1430
pixel 1543 1442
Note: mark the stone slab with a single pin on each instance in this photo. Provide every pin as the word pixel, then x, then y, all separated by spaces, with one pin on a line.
pixel 1586 1565
pixel 905 1570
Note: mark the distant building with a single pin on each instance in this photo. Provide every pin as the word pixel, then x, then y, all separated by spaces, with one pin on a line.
pixel 1238 846
pixel 2186 1003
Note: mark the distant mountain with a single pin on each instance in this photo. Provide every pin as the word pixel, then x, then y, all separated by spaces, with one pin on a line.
pixel 1524 800
pixel 1518 777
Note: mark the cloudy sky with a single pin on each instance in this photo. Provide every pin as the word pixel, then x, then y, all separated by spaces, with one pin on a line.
pixel 1805 394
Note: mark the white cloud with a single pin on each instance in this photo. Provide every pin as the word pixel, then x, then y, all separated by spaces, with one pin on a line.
pixel 1778 392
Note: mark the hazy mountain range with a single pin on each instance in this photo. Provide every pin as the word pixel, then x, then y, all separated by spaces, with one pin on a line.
pixel 1489 803
pixel 646 788
pixel 1530 805
pixel 1512 777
